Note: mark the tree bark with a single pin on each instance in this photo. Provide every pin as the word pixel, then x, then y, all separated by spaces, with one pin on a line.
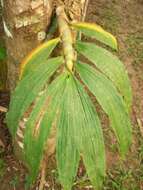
pixel 25 24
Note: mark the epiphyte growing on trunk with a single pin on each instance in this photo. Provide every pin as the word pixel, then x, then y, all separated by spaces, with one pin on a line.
pixel 63 102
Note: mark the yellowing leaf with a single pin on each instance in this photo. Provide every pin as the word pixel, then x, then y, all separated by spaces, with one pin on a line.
pixel 37 56
pixel 96 31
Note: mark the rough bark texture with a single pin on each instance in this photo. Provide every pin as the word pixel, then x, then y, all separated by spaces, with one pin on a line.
pixel 25 24
pixel 76 9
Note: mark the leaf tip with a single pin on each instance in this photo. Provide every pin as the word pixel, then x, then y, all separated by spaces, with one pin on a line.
pixel 34 52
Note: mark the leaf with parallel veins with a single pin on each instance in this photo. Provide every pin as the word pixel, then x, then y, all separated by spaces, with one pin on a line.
pixel 110 65
pixel 37 57
pixel 111 102
pixel 97 32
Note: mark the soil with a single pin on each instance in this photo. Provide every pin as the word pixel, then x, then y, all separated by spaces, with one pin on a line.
pixel 124 19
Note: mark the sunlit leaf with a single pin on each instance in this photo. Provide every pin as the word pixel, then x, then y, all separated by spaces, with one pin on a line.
pixel 110 65
pixel 37 57
pixel 111 102
pixel 96 31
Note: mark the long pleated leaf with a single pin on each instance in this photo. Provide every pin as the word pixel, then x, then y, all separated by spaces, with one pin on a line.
pixel 92 146
pixel 39 124
pixel 39 55
pixel 84 131
pixel 67 152
pixel 96 31
pixel 27 90
pixel 110 65
pixel 111 102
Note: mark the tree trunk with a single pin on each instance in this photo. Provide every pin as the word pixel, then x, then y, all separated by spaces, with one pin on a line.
pixel 25 24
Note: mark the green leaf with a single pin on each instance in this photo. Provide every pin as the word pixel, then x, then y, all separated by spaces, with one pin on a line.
pixel 2 53
pixel 96 31
pixel 110 65
pixel 83 131
pixel 40 122
pixel 111 102
pixel 67 153
pixel 92 146
pixel 37 56
pixel 28 89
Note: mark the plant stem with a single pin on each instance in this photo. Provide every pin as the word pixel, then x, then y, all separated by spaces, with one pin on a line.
pixel 66 36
